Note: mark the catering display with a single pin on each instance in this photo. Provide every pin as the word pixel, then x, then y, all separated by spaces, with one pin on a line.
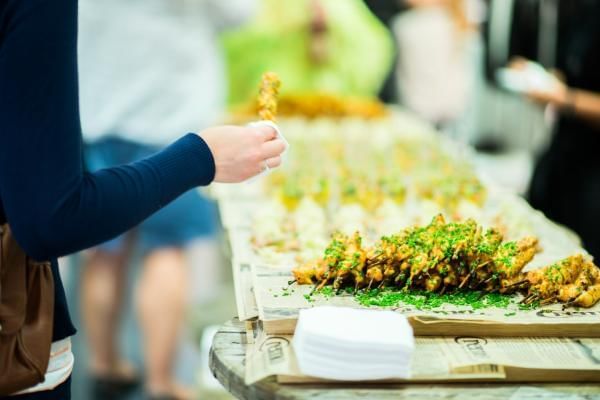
pixel 357 174
pixel 381 211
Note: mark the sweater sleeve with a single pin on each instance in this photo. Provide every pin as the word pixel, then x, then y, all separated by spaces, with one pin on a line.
pixel 54 206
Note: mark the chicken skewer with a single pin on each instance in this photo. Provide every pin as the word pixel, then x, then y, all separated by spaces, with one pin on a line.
pixel 443 257
pixel 267 96
pixel 573 281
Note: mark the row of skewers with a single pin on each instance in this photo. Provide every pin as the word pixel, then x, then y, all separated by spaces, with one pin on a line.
pixel 443 257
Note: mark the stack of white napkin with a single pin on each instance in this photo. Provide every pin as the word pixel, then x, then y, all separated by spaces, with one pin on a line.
pixel 353 344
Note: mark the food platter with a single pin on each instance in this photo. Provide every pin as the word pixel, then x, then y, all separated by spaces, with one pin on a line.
pixel 278 309
pixel 379 176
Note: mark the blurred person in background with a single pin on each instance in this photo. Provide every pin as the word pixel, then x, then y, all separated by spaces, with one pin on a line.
pixel 433 72
pixel 387 11
pixel 148 70
pixel 564 37
pixel 314 45
pixel 566 181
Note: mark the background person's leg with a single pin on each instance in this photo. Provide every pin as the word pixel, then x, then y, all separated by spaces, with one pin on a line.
pixel 103 286
pixel 161 299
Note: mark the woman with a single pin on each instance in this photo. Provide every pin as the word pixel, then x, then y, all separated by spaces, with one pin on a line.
pixel 55 208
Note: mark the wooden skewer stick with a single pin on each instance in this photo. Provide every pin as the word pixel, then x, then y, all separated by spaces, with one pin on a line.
pixel 517 283
pixel 549 300
pixel 370 283
pixel 526 298
pixel 323 282
pixel 531 299
pixel 378 262
pixel 465 279
pixel 318 286
pixel 567 305
pixel 478 284
pixel 488 279
pixel 457 250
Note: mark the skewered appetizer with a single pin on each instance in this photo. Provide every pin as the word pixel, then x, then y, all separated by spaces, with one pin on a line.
pixel 443 257
pixel 448 188
pixel 574 281
pixel 267 96
pixel 341 176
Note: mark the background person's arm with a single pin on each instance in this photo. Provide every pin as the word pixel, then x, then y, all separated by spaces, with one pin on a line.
pixel 585 103
pixel 580 102
pixel 54 206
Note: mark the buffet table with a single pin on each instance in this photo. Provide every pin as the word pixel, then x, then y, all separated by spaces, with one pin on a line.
pixel 227 363
pixel 356 194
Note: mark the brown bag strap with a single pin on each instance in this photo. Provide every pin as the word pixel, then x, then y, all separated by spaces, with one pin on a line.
pixel 1 265
pixel 14 270
pixel 26 316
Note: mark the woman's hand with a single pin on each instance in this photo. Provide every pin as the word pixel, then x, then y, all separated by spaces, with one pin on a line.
pixel 242 152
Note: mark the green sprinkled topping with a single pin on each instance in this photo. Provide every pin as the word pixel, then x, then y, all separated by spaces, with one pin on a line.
pixel 530 306
pixel 424 300
pixel 506 253
pixel 553 273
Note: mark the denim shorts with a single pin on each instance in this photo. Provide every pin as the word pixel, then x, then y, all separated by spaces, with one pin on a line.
pixel 188 217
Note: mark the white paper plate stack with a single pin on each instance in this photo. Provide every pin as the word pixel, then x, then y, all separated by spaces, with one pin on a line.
pixel 353 344
pixel 529 77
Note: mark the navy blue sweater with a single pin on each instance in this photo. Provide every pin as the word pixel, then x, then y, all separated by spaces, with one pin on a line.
pixel 53 205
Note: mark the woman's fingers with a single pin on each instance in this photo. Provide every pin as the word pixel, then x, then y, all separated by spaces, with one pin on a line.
pixel 272 148
pixel 273 162
pixel 266 133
